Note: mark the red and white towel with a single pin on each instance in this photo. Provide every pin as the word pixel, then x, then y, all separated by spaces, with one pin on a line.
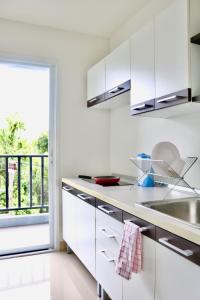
pixel 130 254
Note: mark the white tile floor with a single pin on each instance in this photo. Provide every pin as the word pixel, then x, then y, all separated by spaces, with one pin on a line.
pixel 12 239
pixel 52 276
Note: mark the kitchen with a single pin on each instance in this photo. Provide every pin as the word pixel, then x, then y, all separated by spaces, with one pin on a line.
pixel 159 87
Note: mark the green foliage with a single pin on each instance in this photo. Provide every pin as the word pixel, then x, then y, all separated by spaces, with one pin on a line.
pixel 13 142
pixel 41 144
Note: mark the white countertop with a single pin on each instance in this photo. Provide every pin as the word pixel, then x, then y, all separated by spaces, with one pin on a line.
pixel 126 197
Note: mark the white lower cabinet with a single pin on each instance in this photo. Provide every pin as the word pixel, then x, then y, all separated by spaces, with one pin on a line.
pixel 170 266
pixel 108 236
pixel 142 285
pixel 79 228
pixel 176 277
pixel 69 216
pixel 86 235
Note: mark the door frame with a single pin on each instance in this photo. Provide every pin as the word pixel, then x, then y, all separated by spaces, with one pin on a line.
pixel 53 148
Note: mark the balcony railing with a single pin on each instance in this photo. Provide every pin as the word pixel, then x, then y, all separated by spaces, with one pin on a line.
pixel 23 182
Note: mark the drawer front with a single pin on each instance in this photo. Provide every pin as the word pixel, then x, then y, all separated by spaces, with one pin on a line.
pixel 108 238
pixel 109 210
pixel 106 274
pixel 181 246
pixel 108 232
pixel 82 196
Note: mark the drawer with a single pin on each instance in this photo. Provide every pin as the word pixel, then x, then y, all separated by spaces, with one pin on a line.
pixel 109 210
pixel 106 274
pixel 108 232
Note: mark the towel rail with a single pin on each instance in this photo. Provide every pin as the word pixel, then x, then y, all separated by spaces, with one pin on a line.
pixel 142 229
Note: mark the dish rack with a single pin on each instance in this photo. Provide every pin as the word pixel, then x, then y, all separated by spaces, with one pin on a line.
pixel 164 173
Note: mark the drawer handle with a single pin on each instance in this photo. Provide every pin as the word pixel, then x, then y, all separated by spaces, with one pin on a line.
pixel 108 211
pixel 116 90
pixel 84 197
pixel 67 188
pixel 142 229
pixel 109 259
pixel 165 241
pixel 170 98
pixel 110 236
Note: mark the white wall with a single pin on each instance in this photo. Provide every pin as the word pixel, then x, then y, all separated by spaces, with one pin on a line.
pixel 82 135
pixel 136 21
pixel 131 135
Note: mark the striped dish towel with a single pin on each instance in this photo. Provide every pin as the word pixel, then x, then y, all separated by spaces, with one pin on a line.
pixel 130 253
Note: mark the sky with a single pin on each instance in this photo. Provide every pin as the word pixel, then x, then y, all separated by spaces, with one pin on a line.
pixel 24 90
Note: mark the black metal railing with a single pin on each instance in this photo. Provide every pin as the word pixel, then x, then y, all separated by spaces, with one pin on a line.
pixel 13 166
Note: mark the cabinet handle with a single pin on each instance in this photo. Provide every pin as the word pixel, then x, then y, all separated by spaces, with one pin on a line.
pixel 165 241
pixel 67 188
pixel 102 207
pixel 92 100
pixel 142 229
pixel 139 107
pixel 170 98
pixel 115 90
pixel 110 236
pixel 84 197
pixel 142 106
pixel 109 259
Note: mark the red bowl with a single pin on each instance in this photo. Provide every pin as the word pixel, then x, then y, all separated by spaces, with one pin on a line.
pixel 106 179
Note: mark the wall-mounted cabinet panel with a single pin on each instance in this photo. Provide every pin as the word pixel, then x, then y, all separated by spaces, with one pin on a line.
pixel 171 49
pixel 118 66
pixel 142 65
pixel 177 63
pixel 96 81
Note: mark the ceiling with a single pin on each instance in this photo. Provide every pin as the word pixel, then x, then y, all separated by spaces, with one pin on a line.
pixel 96 17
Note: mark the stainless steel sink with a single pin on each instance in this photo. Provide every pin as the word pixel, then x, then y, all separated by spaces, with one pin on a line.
pixel 187 210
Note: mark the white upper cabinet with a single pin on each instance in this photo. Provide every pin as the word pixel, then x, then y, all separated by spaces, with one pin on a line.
pixel 96 80
pixel 142 65
pixel 118 66
pixel 172 49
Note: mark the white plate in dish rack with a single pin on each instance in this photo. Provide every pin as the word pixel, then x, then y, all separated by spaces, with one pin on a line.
pixel 170 154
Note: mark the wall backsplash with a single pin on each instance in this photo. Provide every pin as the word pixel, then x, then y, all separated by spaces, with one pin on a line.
pixel 132 135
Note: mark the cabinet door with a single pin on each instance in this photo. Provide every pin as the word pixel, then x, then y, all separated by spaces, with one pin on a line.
pixel 142 285
pixel 108 236
pixel 79 228
pixel 142 65
pixel 171 49
pixel 176 277
pixel 118 66
pixel 69 217
pixel 96 80
pixel 86 235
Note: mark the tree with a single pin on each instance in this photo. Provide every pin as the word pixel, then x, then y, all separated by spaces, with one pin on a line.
pixel 11 141
pixel 41 144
